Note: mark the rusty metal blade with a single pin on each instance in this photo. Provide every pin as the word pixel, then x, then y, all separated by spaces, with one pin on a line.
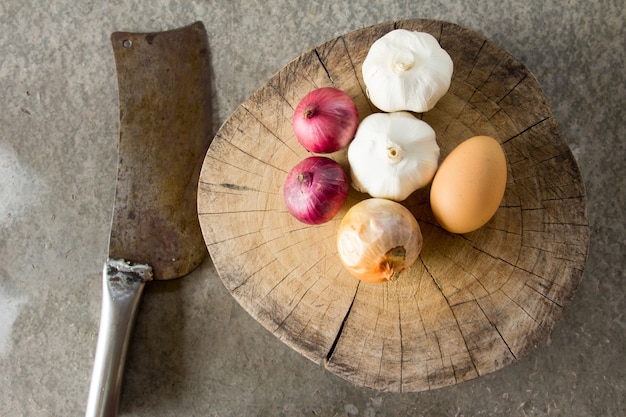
pixel 165 120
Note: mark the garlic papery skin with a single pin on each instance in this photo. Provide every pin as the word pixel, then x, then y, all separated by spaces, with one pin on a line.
pixel 392 155
pixel 406 70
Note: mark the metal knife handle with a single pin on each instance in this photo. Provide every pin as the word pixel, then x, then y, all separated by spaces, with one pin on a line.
pixel 122 285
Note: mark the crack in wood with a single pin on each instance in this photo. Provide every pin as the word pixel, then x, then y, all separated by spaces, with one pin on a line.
pixel 225 189
pixel 534 319
pixel 331 351
pixel 271 132
pixel 323 64
pixel 438 342
pixel 282 280
pixel 248 211
pixel 324 314
pixel 543 295
pixel 458 324
pixel 512 89
pixel 517 135
pixel 240 168
pixel 232 238
pixel 492 256
pixel 495 327
pixel 231 186
pixel 235 289
pixel 401 337
pixel 476 56
pixel 476 279
pixel 353 332
pixel 210 156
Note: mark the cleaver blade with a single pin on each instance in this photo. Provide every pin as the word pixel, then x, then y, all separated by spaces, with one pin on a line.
pixel 165 131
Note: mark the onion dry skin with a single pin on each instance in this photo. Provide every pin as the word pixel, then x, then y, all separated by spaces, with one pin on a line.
pixel 315 189
pixel 325 120
pixel 378 239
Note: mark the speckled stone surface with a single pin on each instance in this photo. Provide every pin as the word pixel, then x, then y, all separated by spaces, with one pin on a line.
pixel 195 352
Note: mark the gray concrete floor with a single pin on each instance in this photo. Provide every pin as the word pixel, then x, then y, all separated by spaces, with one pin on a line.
pixel 195 351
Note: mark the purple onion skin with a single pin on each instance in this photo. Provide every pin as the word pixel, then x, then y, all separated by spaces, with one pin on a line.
pixel 315 189
pixel 325 120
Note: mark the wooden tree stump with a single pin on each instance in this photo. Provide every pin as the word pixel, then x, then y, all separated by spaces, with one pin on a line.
pixel 472 303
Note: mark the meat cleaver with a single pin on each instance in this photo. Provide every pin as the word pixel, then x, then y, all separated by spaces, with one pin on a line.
pixel 165 120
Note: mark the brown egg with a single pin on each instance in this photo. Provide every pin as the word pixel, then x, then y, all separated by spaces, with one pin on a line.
pixel 469 185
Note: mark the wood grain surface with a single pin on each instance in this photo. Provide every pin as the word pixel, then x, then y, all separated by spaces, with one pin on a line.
pixel 472 303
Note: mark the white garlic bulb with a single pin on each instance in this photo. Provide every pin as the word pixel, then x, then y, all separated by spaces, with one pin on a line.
pixel 406 70
pixel 392 155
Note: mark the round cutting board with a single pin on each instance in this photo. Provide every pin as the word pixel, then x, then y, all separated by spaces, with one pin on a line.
pixel 472 303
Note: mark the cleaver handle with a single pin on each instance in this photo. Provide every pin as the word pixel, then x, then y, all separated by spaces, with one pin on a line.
pixel 122 285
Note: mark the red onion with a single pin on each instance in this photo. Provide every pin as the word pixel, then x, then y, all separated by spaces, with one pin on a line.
pixel 325 120
pixel 315 189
